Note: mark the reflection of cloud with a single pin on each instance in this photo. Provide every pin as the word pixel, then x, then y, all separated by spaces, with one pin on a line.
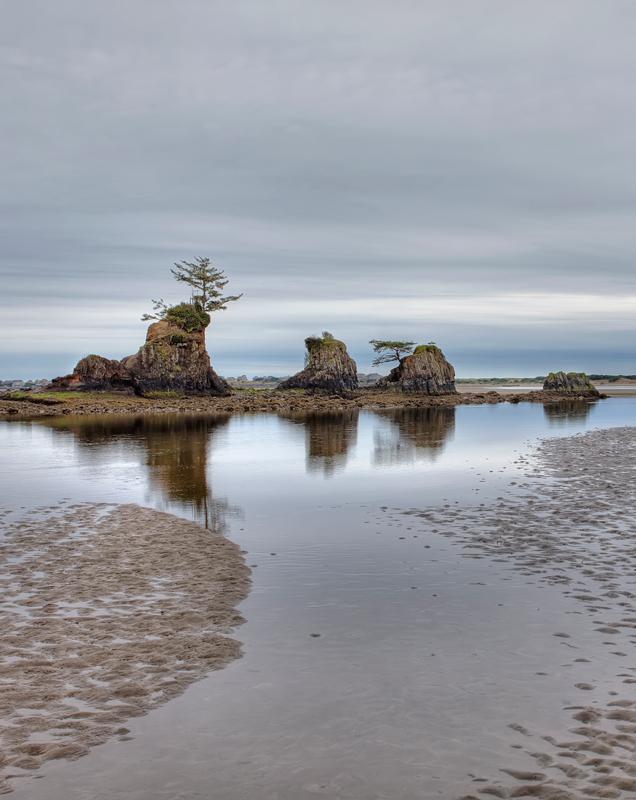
pixel 567 411
pixel 415 433
pixel 175 448
pixel 329 435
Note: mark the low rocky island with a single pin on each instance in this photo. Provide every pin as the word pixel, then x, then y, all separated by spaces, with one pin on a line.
pixel 253 402
pixel 329 367
pixel 570 384
pixel 173 359
pixel 425 371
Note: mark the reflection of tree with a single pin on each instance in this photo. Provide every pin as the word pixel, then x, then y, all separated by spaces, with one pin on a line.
pixel 175 447
pixel 414 433
pixel 329 435
pixel 566 411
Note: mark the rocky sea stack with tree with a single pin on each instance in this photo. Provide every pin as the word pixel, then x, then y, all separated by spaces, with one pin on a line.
pixel 328 367
pixel 174 357
pixel 421 369
pixel 571 384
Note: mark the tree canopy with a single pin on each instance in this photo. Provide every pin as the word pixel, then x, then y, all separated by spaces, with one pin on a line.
pixel 206 283
pixel 390 351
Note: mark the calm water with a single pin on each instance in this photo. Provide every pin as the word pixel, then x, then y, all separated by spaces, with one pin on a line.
pixel 424 656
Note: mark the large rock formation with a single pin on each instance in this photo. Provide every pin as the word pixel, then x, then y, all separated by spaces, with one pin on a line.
pixel 173 359
pixel 426 371
pixel 330 368
pixel 571 384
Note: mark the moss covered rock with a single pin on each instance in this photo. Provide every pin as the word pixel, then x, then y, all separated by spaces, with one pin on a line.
pixel 329 369
pixel 571 383
pixel 426 371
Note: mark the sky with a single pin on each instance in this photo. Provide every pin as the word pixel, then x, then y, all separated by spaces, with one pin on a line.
pixel 462 172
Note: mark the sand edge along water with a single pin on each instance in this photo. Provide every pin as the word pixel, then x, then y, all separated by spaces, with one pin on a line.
pixel 108 612
pixel 571 523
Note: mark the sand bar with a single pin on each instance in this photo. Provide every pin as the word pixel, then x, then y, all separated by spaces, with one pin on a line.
pixel 108 611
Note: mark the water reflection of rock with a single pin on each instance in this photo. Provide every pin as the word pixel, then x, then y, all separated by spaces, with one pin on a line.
pixel 414 433
pixel 329 437
pixel 567 411
pixel 175 447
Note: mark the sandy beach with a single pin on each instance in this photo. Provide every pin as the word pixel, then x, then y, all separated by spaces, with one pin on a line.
pixel 108 611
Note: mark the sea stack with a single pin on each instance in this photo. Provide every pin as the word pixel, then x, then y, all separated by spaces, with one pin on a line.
pixel 329 369
pixel 426 371
pixel 173 359
pixel 572 384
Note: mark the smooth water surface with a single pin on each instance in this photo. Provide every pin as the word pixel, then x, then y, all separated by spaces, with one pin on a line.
pixel 379 660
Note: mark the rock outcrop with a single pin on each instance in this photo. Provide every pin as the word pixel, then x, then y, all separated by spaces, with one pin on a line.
pixel 575 384
pixel 95 374
pixel 173 359
pixel 426 371
pixel 330 368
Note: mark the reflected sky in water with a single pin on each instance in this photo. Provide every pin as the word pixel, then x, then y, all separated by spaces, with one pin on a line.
pixel 213 467
pixel 173 454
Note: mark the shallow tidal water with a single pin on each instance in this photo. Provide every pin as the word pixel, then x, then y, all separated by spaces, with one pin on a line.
pixel 380 659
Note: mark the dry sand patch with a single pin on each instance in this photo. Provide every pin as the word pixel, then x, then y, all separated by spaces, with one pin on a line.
pixel 108 611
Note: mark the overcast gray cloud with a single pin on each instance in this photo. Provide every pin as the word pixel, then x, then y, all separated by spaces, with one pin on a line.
pixel 455 171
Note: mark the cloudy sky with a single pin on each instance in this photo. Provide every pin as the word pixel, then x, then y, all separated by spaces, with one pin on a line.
pixel 455 171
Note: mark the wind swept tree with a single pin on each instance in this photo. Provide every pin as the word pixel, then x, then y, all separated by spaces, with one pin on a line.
pixel 390 351
pixel 206 283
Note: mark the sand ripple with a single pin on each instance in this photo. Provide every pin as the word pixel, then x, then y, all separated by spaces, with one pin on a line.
pixel 108 612
pixel 573 524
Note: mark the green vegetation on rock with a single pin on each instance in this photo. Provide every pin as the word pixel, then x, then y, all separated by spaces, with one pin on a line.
pixel 188 317
pixel 206 283
pixel 426 348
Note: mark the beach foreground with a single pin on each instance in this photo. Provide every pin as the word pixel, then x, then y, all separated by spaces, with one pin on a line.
pixel 410 643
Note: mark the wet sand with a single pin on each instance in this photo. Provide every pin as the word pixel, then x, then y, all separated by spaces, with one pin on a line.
pixel 572 524
pixel 108 612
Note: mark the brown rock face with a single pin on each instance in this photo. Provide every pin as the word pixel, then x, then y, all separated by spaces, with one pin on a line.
pixel 425 372
pixel 96 373
pixel 571 383
pixel 171 360
pixel 330 368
